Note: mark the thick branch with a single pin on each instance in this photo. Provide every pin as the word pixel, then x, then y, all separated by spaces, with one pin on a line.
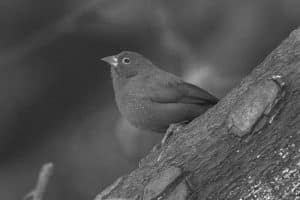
pixel 245 147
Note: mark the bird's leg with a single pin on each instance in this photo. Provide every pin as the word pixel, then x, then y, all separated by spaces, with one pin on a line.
pixel 172 129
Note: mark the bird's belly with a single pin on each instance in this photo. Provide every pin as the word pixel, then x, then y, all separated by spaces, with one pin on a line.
pixel 141 113
pixel 145 114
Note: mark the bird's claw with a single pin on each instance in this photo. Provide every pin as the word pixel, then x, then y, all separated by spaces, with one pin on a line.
pixel 170 131
pixel 173 128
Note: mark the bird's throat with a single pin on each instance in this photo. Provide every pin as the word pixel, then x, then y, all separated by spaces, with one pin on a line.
pixel 115 71
pixel 118 80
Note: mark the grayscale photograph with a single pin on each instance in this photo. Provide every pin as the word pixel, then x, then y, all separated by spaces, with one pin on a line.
pixel 149 100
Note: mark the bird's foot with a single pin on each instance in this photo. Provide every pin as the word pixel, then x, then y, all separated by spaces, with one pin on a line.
pixel 172 129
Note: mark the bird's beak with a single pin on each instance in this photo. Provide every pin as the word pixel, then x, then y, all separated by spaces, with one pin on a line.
pixel 112 60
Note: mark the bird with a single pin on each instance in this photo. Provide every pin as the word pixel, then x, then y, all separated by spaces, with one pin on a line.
pixel 151 98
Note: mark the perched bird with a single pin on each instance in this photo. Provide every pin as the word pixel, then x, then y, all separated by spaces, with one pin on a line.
pixel 152 99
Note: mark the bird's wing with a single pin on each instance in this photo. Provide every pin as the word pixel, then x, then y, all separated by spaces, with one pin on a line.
pixel 177 91
pixel 194 94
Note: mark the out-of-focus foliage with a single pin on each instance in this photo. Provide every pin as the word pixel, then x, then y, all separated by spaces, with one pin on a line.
pixel 56 98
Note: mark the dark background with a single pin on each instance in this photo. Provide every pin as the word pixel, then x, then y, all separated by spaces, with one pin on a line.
pixel 57 102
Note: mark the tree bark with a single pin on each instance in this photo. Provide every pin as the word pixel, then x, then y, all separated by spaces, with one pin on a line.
pixel 245 147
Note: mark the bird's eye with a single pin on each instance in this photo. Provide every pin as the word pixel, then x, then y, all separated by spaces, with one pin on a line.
pixel 126 60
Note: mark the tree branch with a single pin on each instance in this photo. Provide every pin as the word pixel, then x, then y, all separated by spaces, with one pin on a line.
pixel 245 147
pixel 42 183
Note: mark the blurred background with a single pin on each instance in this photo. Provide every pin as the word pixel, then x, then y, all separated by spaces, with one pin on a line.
pixel 56 100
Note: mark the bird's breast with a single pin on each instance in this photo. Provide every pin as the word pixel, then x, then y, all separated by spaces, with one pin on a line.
pixel 137 110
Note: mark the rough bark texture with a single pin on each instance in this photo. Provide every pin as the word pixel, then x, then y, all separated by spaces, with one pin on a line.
pixel 245 147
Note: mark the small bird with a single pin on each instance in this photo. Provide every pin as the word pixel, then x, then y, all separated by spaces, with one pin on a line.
pixel 153 99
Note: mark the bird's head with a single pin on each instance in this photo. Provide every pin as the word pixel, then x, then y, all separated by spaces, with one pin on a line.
pixel 128 64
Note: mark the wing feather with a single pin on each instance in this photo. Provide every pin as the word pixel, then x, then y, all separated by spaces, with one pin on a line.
pixel 175 90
